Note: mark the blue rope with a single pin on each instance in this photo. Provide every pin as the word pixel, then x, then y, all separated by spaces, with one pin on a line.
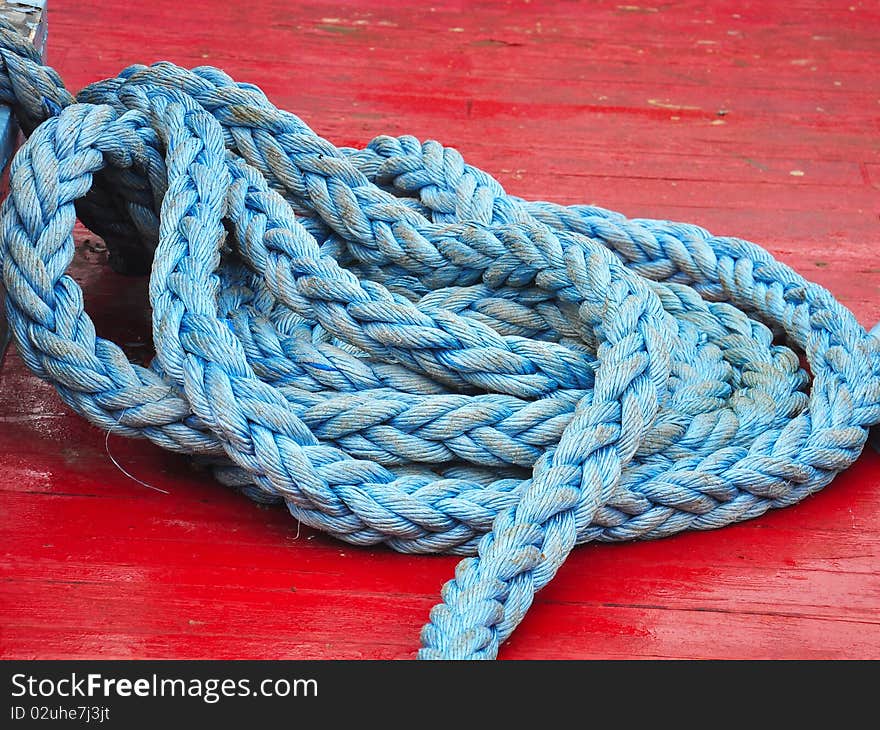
pixel 401 352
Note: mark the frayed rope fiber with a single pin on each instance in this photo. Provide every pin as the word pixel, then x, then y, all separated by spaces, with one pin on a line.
pixel 403 353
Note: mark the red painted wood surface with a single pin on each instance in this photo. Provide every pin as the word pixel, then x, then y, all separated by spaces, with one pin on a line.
pixel 756 119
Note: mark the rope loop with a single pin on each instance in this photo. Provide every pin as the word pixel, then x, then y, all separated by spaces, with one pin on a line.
pixel 402 353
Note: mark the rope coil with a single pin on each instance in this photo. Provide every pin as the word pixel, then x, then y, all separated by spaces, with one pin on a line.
pixel 401 352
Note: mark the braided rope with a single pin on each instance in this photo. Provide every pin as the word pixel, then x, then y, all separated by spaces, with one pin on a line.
pixel 402 353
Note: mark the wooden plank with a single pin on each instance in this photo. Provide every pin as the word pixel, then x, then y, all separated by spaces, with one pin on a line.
pixel 566 101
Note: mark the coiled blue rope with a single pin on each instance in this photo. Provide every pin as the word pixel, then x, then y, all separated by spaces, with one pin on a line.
pixel 402 353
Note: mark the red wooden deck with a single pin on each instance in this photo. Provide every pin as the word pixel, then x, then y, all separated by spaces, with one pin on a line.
pixel 756 119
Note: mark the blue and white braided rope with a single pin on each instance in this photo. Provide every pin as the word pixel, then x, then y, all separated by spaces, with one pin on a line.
pixel 402 353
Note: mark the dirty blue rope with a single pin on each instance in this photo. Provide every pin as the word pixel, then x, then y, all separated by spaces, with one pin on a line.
pixel 402 353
